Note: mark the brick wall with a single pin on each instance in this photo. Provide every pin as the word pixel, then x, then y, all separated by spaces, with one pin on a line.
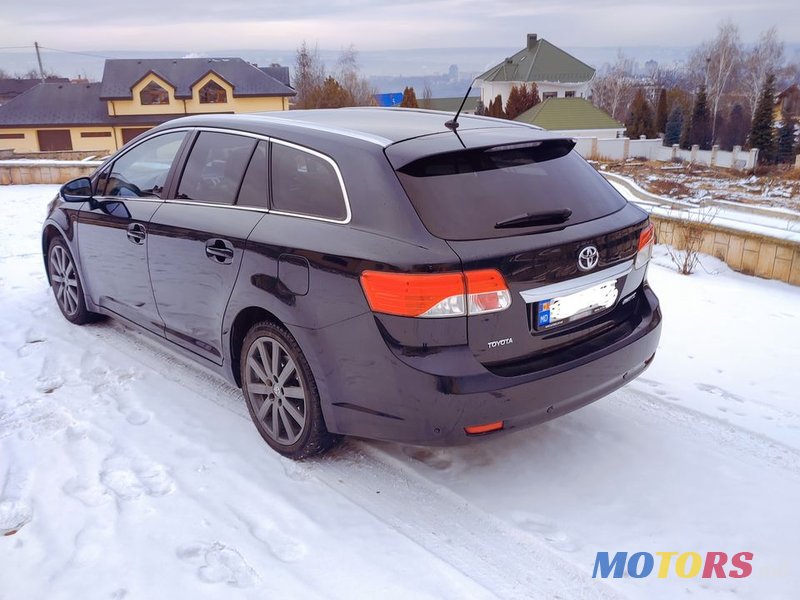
pixel 14 172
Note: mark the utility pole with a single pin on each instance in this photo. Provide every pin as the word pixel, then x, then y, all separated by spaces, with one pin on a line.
pixel 39 58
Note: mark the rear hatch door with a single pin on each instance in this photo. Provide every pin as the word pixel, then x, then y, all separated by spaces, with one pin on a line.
pixel 562 237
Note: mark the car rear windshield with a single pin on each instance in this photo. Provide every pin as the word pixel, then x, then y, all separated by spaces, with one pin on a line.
pixel 506 190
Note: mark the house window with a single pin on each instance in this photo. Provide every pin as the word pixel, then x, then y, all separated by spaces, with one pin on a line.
pixel 213 93
pixel 153 93
pixel 54 140
pixel 569 94
pixel 547 95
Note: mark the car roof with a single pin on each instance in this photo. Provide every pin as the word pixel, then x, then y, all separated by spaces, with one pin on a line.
pixel 382 126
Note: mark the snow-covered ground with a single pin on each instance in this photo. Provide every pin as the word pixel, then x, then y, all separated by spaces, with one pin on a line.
pixel 133 473
pixel 778 223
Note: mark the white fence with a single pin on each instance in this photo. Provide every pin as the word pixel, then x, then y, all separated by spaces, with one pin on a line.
pixel 624 148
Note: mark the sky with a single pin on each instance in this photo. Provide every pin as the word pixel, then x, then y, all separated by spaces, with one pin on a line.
pixel 207 25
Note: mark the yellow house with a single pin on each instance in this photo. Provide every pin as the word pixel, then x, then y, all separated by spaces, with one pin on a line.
pixel 134 96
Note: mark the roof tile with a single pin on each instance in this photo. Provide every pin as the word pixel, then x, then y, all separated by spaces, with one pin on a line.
pixel 540 61
pixel 567 114
pixel 120 75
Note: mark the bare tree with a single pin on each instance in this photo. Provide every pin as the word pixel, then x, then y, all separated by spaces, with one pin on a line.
pixel 348 73
pixel 767 56
pixel 613 90
pixel 427 96
pixel 665 77
pixel 687 238
pixel 715 64
pixel 309 75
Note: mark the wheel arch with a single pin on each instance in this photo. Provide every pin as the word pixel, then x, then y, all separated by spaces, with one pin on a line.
pixel 49 233
pixel 244 320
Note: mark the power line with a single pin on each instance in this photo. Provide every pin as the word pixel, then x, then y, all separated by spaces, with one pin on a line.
pixel 73 52
pixel 15 47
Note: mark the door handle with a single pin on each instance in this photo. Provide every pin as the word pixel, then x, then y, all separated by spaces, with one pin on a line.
pixel 220 251
pixel 136 233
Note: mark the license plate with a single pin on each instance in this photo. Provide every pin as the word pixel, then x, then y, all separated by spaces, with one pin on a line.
pixel 576 306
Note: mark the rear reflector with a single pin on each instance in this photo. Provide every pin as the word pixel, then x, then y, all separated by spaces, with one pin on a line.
pixel 475 429
pixel 436 294
pixel 646 240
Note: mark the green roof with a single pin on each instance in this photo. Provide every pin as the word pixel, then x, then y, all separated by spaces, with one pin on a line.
pixel 452 104
pixel 568 113
pixel 540 61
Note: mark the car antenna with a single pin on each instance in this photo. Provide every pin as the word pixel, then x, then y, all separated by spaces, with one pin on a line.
pixel 452 124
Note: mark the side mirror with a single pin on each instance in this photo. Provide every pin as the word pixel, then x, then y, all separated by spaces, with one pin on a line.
pixel 77 190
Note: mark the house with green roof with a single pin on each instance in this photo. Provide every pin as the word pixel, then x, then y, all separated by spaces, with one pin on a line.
pixel 575 117
pixel 556 73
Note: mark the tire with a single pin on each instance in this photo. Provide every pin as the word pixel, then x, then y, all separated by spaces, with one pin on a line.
pixel 281 393
pixel 66 283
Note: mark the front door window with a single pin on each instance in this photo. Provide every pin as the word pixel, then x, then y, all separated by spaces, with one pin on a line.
pixel 142 172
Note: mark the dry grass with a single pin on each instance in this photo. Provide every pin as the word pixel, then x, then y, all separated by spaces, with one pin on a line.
pixel 774 185
pixel 668 188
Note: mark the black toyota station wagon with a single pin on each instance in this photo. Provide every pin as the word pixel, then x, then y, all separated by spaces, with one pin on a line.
pixel 367 272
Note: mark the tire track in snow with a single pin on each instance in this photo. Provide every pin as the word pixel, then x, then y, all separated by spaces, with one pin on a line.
pixel 453 530
pixel 720 431
pixel 433 517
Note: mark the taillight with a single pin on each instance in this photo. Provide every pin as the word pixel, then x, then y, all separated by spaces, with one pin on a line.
pixel 646 240
pixel 436 294
pixel 415 295
pixel 486 292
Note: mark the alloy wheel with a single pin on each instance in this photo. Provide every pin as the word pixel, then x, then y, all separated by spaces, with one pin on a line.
pixel 64 280
pixel 276 390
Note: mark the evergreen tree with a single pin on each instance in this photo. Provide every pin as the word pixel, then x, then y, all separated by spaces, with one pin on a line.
pixel 661 112
pixel 762 135
pixel 720 125
pixel 521 99
pixel 331 95
pixel 786 144
pixel 514 103
pixel 480 109
pixel 641 120
pixel 699 130
pixel 674 126
pixel 735 131
pixel 797 148
pixel 409 98
pixel 531 95
pixel 496 108
pixel 686 133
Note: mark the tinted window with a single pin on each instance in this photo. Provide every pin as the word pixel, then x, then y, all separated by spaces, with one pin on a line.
pixel 463 195
pixel 254 190
pixel 306 184
pixel 215 167
pixel 143 170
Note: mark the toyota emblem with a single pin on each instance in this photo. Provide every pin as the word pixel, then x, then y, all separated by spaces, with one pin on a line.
pixel 587 258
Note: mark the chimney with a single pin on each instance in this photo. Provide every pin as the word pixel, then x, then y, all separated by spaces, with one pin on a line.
pixel 532 39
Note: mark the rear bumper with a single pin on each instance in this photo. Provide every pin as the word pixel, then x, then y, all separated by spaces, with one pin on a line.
pixel 369 390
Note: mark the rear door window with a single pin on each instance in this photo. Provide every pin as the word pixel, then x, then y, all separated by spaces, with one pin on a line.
pixel 506 190
pixel 214 169
pixel 142 171
pixel 255 191
pixel 306 183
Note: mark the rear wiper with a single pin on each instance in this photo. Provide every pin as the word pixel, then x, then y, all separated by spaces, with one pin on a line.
pixel 553 217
